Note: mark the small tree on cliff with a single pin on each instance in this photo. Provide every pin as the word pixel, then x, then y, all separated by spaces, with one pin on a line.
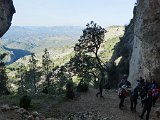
pixel 90 42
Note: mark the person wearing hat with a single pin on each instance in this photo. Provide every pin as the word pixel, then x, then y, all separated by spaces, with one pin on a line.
pixel 122 95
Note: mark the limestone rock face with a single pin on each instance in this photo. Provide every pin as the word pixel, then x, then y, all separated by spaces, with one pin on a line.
pixel 145 59
pixel 6 12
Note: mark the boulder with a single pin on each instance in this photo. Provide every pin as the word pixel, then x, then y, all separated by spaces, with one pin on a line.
pixel 5 108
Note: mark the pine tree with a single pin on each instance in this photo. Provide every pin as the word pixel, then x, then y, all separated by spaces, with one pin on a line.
pixel 22 71
pixel 46 64
pixel 3 75
pixel 33 70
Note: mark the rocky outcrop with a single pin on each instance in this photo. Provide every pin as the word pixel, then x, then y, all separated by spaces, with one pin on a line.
pixel 15 113
pixel 6 12
pixel 145 60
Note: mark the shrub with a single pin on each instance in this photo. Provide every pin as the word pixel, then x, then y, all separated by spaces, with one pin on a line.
pixel 25 102
pixel 69 90
pixel 82 87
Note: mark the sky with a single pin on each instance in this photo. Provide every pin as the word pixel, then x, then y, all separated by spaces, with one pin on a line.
pixel 72 12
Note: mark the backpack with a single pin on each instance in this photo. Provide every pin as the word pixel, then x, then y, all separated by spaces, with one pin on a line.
pixel 122 93
pixel 155 93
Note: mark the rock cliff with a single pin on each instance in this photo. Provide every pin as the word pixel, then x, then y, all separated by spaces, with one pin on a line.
pixel 145 59
pixel 123 50
pixel 6 12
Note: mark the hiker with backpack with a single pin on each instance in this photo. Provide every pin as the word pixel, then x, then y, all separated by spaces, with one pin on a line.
pixel 122 95
pixel 124 81
pixel 133 98
pixel 155 95
pixel 147 105
pixel 154 85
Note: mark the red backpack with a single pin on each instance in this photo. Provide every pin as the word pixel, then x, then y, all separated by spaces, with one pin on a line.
pixel 123 93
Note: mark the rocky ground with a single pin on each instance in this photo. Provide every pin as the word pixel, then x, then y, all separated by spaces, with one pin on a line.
pixel 86 107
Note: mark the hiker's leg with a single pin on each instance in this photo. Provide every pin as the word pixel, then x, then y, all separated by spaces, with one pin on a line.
pixel 135 104
pixel 101 90
pixel 131 104
pixel 143 111
pixel 97 94
pixel 121 102
pixel 148 112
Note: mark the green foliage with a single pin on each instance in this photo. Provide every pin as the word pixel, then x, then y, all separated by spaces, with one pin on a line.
pixel 61 76
pixel 86 61
pixel 21 73
pixel 3 75
pixel 107 48
pixel 46 61
pixel 33 70
pixel 91 39
pixel 46 64
pixel 83 65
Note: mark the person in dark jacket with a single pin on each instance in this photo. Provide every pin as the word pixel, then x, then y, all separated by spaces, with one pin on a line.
pixel 147 105
pixel 122 95
pixel 100 87
pixel 141 80
pixel 143 94
pixel 124 81
pixel 133 98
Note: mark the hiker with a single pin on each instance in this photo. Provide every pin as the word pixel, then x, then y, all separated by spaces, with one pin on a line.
pixel 143 93
pixel 147 101
pixel 127 83
pixel 100 87
pixel 124 81
pixel 147 85
pixel 153 85
pixel 155 95
pixel 124 78
pixel 141 80
pixel 122 95
pixel 133 98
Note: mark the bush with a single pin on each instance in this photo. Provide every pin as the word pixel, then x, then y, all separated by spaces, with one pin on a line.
pixel 69 90
pixel 25 102
pixel 82 87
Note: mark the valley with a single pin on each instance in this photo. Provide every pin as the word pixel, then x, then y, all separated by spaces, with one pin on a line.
pixel 22 41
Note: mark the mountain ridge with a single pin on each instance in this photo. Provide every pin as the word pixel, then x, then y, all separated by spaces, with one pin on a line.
pixel 58 43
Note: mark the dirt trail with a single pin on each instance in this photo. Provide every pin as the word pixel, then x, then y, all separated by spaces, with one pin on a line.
pixel 107 107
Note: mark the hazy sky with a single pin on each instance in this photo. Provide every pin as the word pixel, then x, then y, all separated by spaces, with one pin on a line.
pixel 72 12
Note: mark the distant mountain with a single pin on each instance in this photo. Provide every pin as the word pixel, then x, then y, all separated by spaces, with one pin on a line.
pixel 35 39
pixel 21 41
